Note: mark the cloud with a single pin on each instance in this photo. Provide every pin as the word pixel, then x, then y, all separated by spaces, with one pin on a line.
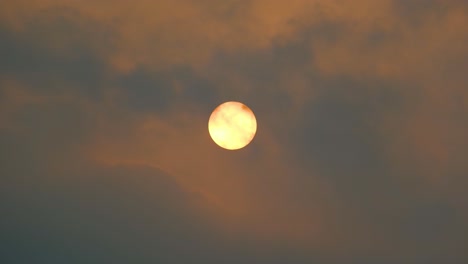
pixel 84 212
pixel 165 32
pixel 359 155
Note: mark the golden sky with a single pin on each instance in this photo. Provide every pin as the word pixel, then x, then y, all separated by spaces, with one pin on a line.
pixel 360 154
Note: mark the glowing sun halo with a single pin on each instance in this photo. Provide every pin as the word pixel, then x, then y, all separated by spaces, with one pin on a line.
pixel 232 125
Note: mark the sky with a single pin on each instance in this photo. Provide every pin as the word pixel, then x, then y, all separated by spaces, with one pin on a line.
pixel 361 152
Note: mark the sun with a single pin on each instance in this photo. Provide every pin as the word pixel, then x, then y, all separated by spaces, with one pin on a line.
pixel 232 125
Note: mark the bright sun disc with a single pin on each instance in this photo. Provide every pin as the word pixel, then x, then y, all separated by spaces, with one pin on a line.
pixel 232 125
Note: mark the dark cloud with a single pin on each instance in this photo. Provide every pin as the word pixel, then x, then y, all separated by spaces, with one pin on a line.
pixel 158 91
pixel 27 58
pixel 96 214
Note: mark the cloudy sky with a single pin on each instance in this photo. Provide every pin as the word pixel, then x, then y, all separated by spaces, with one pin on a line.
pixel 361 153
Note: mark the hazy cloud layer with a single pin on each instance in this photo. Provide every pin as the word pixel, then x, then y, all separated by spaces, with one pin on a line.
pixel 360 155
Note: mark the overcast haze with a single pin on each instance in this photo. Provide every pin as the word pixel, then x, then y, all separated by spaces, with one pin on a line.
pixel 361 153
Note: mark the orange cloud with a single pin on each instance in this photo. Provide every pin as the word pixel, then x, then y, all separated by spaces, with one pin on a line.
pixel 391 46
pixel 257 189
pixel 164 33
